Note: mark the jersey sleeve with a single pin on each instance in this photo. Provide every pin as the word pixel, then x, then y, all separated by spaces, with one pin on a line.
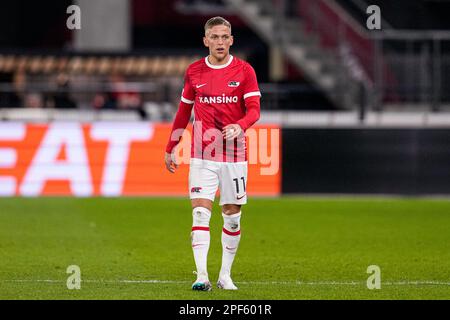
pixel 188 93
pixel 251 88
pixel 251 99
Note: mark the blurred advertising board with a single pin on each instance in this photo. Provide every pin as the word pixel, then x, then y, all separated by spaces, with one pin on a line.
pixel 115 159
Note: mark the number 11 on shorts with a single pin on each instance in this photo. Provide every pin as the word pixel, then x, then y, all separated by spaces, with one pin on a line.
pixel 236 181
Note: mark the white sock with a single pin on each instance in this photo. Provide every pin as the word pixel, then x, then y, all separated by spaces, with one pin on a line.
pixel 200 239
pixel 231 234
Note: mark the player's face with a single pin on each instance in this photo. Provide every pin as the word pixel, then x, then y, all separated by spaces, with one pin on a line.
pixel 219 40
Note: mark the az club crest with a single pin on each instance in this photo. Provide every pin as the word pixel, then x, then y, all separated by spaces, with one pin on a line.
pixel 196 189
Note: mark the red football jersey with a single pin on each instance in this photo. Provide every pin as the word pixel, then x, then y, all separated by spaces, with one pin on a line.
pixel 220 95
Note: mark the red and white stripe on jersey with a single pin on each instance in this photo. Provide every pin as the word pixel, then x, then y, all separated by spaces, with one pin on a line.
pixel 252 94
pixel 183 99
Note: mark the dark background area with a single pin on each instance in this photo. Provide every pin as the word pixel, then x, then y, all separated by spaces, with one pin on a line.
pixel 363 161
pixel 32 26
pixel 407 14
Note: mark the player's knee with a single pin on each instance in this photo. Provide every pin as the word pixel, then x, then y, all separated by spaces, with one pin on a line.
pixel 201 216
pixel 204 203
pixel 232 223
pixel 229 209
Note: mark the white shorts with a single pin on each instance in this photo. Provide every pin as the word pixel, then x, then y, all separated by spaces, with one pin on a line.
pixel 206 176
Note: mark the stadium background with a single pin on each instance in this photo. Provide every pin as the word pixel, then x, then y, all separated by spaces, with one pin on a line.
pixel 86 113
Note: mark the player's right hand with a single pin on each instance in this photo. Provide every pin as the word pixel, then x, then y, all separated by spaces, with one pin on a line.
pixel 170 163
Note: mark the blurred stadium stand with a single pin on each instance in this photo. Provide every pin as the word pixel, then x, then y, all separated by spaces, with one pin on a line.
pixel 91 82
pixel 310 55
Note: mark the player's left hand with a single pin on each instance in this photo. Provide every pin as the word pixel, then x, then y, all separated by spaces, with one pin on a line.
pixel 231 131
pixel 171 165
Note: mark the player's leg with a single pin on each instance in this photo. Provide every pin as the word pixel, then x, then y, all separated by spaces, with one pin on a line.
pixel 231 236
pixel 200 240
pixel 233 186
pixel 203 183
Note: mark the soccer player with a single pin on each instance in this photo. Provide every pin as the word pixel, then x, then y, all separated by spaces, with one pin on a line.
pixel 224 93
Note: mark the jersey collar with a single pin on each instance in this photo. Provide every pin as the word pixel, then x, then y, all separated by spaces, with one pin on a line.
pixel 221 66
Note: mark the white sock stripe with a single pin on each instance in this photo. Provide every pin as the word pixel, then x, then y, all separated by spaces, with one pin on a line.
pixel 234 215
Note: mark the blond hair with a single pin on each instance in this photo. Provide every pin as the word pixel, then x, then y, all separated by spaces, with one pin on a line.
pixel 217 21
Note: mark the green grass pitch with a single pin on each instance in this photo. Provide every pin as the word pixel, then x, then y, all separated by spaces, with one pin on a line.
pixel 291 248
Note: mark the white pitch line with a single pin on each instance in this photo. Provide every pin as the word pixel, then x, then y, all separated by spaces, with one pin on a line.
pixel 96 281
pixel 294 282
pixel 349 283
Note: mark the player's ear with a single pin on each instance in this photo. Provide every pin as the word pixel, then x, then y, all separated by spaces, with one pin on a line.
pixel 205 42
pixel 232 40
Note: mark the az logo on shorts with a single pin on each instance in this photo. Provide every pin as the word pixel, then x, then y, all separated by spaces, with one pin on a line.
pixel 196 189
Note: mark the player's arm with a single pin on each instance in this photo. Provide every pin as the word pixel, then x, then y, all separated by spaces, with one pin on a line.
pixel 179 124
pixel 252 104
